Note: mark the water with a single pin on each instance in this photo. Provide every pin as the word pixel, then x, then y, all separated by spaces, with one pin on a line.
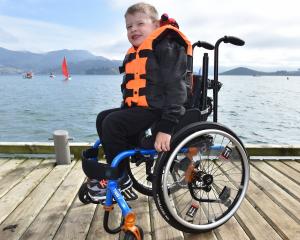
pixel 258 109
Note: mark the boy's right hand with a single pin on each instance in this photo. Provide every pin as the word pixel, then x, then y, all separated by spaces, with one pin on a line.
pixel 162 142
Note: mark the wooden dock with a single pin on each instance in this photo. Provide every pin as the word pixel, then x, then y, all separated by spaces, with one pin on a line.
pixel 38 200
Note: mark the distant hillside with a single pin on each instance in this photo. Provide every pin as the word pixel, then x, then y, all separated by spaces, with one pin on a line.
pixel 84 62
pixel 79 61
pixel 251 72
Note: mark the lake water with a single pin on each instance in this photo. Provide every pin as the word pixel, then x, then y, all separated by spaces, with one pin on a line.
pixel 258 109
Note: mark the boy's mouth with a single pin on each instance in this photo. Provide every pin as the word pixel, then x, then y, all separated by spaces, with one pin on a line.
pixel 135 37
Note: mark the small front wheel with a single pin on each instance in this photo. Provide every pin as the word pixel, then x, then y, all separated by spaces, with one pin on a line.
pixel 83 194
pixel 130 235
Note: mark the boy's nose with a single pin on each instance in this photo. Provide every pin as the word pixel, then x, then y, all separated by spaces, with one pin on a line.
pixel 133 28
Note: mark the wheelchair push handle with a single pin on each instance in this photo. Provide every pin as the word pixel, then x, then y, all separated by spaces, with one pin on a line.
pixel 203 44
pixel 234 40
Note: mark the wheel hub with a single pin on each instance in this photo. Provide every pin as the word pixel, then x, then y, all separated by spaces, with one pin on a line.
pixel 207 179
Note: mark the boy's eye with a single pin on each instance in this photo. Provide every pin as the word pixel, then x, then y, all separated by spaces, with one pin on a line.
pixel 128 27
pixel 141 23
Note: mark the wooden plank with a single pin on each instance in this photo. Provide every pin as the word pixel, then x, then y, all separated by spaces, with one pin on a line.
pixel 284 225
pixel 286 170
pixel 161 229
pixel 252 223
pixel 203 236
pixel 293 164
pixel 9 166
pixel 49 219
pixel 3 160
pixel 142 210
pixel 26 212
pixel 16 175
pixel 42 148
pixel 284 182
pixel 77 221
pixel 27 147
pixel 231 230
pixel 97 231
pixel 272 150
pixel 277 194
pixel 76 148
pixel 17 194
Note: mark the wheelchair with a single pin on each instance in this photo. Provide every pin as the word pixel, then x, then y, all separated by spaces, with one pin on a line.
pixel 199 184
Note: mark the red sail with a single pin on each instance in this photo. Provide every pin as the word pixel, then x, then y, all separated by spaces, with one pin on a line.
pixel 65 68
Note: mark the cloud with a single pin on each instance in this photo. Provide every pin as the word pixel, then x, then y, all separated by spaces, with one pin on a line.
pixel 270 30
pixel 39 36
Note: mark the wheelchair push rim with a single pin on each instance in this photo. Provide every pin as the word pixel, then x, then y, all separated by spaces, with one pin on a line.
pixel 214 190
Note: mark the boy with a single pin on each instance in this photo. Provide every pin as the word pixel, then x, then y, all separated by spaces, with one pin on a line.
pixel 155 89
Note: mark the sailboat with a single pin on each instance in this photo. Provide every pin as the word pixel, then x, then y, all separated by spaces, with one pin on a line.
pixel 65 70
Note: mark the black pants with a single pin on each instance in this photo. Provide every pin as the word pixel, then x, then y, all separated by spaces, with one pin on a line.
pixel 118 127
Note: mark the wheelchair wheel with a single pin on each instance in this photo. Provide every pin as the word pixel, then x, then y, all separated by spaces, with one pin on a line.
pixel 140 172
pixel 201 182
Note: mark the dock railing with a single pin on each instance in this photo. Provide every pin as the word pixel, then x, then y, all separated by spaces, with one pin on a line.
pixel 254 150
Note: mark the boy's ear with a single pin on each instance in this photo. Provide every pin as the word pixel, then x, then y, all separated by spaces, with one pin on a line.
pixel 157 25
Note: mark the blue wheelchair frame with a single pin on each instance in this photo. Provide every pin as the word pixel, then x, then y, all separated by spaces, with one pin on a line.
pixel 112 187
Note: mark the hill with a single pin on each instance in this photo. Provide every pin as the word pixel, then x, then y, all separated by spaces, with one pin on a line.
pixel 79 61
pixel 84 62
pixel 250 72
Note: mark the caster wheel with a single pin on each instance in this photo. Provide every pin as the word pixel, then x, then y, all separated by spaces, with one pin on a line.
pixel 83 194
pixel 130 236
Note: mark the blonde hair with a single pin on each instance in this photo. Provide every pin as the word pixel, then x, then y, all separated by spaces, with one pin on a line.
pixel 143 8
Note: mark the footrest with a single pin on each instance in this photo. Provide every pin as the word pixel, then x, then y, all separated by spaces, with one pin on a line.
pixel 130 195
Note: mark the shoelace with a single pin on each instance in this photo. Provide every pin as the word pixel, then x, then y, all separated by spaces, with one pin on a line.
pixel 103 183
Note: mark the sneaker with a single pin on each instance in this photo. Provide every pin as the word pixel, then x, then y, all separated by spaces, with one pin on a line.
pixel 97 189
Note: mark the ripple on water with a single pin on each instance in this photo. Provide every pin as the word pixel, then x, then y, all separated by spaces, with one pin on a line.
pixel 254 109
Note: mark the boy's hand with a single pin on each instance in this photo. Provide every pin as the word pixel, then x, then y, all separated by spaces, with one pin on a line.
pixel 162 142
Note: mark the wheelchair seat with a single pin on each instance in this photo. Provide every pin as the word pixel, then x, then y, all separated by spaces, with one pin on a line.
pixel 147 138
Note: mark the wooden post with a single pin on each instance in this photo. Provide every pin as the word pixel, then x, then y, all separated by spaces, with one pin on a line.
pixel 61 146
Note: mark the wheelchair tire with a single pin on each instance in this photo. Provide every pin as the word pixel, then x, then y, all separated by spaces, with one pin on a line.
pixel 139 178
pixel 201 182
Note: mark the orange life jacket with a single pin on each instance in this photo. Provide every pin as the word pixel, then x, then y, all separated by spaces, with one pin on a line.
pixel 134 66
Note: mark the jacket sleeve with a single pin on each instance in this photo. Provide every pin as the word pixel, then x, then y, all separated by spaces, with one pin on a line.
pixel 172 60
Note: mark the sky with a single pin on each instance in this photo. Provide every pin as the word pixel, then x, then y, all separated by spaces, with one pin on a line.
pixel 271 29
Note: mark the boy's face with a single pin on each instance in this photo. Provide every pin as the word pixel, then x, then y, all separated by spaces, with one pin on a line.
pixel 139 26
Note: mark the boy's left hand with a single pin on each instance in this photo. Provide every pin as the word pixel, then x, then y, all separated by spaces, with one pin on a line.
pixel 162 142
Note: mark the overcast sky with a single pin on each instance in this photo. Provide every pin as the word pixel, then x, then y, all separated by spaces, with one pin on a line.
pixel 271 29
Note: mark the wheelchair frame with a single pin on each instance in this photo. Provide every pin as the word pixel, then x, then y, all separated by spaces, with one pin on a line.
pixel 133 231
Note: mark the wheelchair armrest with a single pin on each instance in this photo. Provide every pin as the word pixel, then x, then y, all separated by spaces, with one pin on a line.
pixel 191 116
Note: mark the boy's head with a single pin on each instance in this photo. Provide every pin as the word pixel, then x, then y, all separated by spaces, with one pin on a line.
pixel 141 20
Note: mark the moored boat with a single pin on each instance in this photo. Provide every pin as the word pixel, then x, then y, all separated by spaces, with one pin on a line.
pixel 28 75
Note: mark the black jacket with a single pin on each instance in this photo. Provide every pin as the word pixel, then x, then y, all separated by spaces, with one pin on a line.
pixel 168 80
